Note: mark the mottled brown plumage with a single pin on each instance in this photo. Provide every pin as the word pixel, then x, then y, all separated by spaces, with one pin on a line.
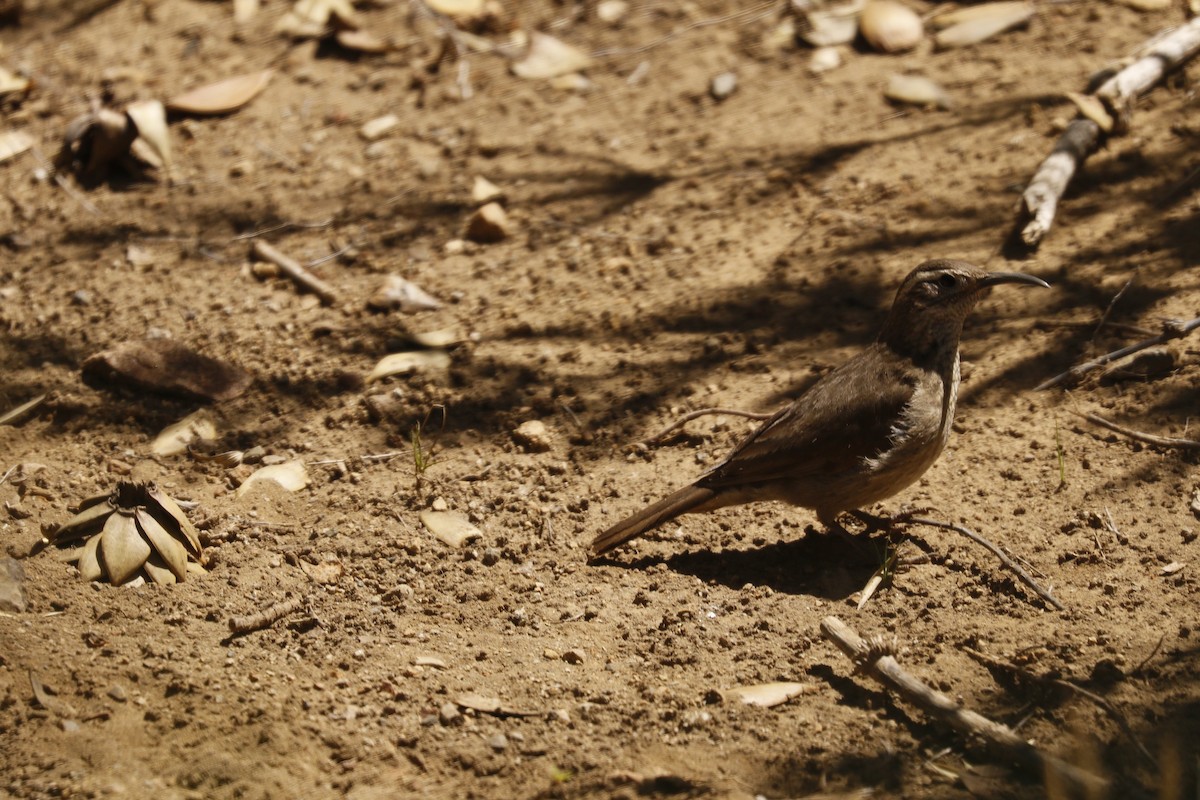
pixel 863 432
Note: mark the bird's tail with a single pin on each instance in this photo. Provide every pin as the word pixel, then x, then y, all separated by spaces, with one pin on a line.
pixel 689 498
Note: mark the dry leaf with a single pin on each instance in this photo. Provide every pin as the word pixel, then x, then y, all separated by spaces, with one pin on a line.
pixel 548 57
pixel 153 144
pixel 916 90
pixel 984 22
pixel 172 552
pixel 176 437
pixel 404 363
pixel 364 42
pixel 89 560
pixel 177 518
pixel 13 144
pixel 123 551
pixel 157 570
pixel 402 295
pixel 768 695
pixel 221 97
pixel 451 528
pixel 163 365
pixel 326 573
pixel 489 705
pixel 292 476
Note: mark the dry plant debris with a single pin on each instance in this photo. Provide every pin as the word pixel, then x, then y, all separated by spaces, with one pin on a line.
pixel 135 532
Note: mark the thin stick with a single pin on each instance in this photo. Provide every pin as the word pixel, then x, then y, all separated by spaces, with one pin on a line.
pixel 686 418
pixel 1108 707
pixel 1148 438
pixel 294 270
pixel 1111 304
pixel 872 659
pixel 1083 135
pixel 265 618
pixel 283 226
pixel 1171 329
pixel 1009 563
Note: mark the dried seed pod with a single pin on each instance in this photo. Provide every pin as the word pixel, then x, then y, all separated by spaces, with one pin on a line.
pixel 133 534
pixel 890 27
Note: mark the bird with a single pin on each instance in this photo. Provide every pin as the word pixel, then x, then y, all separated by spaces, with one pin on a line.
pixel 863 432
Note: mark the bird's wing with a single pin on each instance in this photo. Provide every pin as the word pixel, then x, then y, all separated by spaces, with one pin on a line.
pixel 851 414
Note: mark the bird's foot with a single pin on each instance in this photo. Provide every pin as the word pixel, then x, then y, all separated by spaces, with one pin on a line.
pixel 890 524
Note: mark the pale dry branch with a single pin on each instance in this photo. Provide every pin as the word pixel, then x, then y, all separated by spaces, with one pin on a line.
pixel 1158 57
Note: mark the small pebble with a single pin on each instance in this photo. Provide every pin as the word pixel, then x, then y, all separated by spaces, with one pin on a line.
pixel 449 714
pixel 573 656
pixel 498 742
pixel 534 436
pixel 489 224
pixel 723 85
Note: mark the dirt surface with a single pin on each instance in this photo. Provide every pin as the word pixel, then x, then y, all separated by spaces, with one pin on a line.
pixel 668 252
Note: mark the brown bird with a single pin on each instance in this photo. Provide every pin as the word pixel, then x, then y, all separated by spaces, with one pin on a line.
pixel 863 432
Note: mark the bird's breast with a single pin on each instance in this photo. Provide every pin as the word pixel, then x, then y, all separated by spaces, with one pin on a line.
pixel 917 438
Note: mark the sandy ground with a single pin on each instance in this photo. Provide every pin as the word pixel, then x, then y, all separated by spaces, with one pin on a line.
pixel 668 252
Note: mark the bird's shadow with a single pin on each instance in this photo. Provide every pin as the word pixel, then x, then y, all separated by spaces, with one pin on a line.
pixel 818 564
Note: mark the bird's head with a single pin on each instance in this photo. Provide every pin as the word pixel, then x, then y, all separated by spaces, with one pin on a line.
pixel 934 300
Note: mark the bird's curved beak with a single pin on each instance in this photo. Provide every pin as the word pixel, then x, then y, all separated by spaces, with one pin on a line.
pixel 993 278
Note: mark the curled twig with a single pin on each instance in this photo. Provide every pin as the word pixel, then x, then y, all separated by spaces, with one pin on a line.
pixel 1011 565
pixel 266 617
pixel 884 668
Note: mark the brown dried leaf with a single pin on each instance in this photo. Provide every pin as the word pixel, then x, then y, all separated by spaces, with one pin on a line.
pixel 157 570
pixel 123 551
pixel 167 367
pixel 86 522
pixel 171 552
pixel 175 438
pixel 174 518
pixel 89 560
pixel 222 97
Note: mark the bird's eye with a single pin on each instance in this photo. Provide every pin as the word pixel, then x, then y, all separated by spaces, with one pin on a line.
pixel 947 281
